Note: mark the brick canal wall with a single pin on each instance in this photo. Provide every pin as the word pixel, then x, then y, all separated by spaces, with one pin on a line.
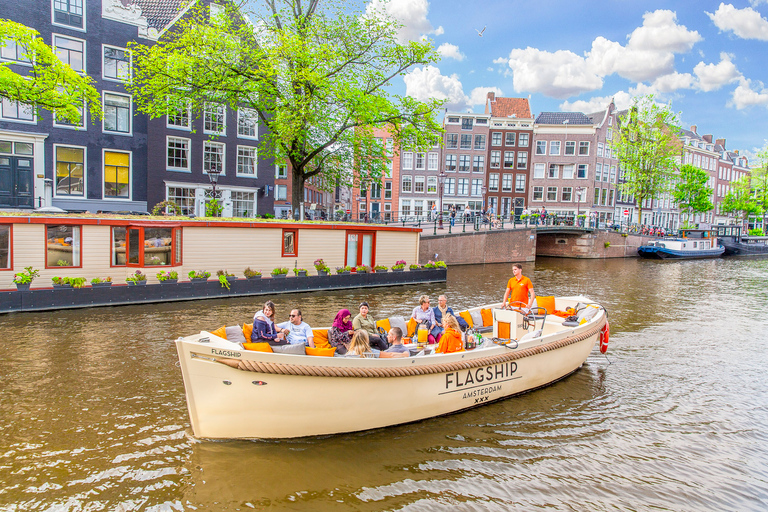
pixel 588 245
pixel 500 246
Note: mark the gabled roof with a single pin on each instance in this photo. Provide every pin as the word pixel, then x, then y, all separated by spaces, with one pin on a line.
pixel 573 118
pixel 690 134
pixel 510 107
pixel 159 13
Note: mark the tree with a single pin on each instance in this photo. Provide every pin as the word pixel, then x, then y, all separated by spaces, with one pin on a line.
pixel 739 199
pixel 49 84
pixel 691 191
pixel 646 146
pixel 759 184
pixel 316 78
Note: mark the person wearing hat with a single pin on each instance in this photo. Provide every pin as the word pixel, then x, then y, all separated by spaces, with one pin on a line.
pixel 368 324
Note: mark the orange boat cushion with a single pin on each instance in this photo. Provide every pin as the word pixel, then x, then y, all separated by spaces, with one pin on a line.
pixel 487 317
pixel 546 302
pixel 247 330
pixel 320 337
pixel 316 351
pixel 504 330
pixel 384 324
pixel 221 332
pixel 467 318
pixel 258 347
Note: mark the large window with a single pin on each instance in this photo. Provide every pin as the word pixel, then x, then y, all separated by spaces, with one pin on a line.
pixel 418 185
pixel 493 182
pixel 117 113
pixel 70 51
pixel 477 187
pixel 520 183
pixel 541 147
pixel 496 139
pixel 247 123
pixel 466 141
pixel 478 164
pixel 509 139
pixel 495 159
pixel 551 193
pixel 5 246
pixel 407 184
pixel 432 163
pixel 450 186
pixel 570 147
pixel 70 176
pixel 506 183
pixel 522 159
pixel 246 161
pixel 538 171
pixel 407 160
pixel 146 247
pixel 178 154
pixel 522 140
pixel 431 184
pixel 183 197
pixel 117 175
pixel 179 118
pixel 450 162
pixel 463 163
pixel 116 64
pixel 16 111
pixel 63 246
pixel 14 51
pixel 554 147
pixel 509 159
pixel 68 12
pixel 213 156
pixel 479 142
pixel 554 171
pixel 466 123
pixel 538 193
pixel 463 187
pixel 568 172
pixel 567 195
pixel 214 119
pixel 281 192
pixel 420 161
pixel 581 171
pixel 583 148
pixel 452 140
pixel 243 204
pixel 290 242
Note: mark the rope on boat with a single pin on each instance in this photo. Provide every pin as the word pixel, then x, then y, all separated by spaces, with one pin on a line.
pixel 404 371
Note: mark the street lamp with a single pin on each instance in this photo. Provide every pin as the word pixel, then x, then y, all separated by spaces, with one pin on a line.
pixel 441 179
pixel 213 175
pixel 579 192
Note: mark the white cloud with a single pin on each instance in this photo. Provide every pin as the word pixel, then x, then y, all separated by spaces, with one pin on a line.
pixel 411 13
pixel 451 51
pixel 713 76
pixel 623 100
pixel 744 96
pixel 608 57
pixel 480 94
pixel 560 74
pixel 745 23
pixel 660 32
pixel 673 82
pixel 427 83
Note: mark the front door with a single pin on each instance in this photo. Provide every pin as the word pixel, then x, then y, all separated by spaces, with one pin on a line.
pixel 360 248
pixel 16 185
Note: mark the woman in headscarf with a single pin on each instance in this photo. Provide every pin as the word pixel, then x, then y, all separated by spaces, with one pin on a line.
pixel 264 326
pixel 340 333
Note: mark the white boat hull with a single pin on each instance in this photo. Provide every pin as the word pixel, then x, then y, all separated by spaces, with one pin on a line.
pixel 288 396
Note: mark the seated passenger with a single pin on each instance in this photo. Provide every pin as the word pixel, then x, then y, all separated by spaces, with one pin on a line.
pixel 366 323
pixel 440 310
pixel 451 338
pixel 396 349
pixel 359 345
pixel 296 331
pixel 424 314
pixel 264 327
pixel 340 333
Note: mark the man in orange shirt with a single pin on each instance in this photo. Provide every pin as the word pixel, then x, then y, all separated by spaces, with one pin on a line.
pixel 519 290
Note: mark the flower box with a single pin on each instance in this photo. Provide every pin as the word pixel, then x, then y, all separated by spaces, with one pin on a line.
pixel 55 286
pixel 279 275
pixel 251 278
pixel 137 283
pixel 301 273
pixel 22 287
pixel 397 269
pixel 169 281
pixel 105 284
pixel 322 272
pixel 198 279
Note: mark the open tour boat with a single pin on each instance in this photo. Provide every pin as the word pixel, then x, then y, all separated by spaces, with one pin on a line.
pixel 236 393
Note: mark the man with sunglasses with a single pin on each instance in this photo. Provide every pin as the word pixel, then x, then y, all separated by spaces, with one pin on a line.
pixel 296 331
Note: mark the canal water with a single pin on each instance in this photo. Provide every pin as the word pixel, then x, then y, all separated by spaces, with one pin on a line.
pixel 93 416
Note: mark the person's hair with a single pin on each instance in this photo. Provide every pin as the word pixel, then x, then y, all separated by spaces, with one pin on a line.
pixel 272 307
pixel 451 321
pixel 398 332
pixel 363 304
pixel 298 312
pixel 359 344
pixel 442 297
pixel 518 265
pixel 423 299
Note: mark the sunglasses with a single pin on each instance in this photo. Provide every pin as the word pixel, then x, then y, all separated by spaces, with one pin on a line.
pixel 293 316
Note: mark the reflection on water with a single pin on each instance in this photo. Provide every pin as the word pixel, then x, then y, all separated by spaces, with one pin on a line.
pixel 93 415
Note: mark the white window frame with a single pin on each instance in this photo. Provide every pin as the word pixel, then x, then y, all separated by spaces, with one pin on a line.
pixel 104 129
pixel 478 163
pixel 522 159
pixel 523 137
pixel 539 171
pixel 79 127
pixel 552 190
pixel 278 173
pixel 255 157
pixel 254 116
pixel 189 153
pixel 407 160
pixel 187 127
pixel 566 190
pixel 70 27
pixel 431 184
pixel 554 147
pixel 451 157
pixel 566 174
pixel 540 191
pixel 468 160
pixel 520 177
pixel 433 161
pixel 570 144
pixel 419 180
pixel 239 201
pixel 541 144
pixel 207 112
pixel 103 67
pixel 584 144
pixel 449 144
pixel 462 187
pixel 421 161
pixel 586 171
pixel 407 179
pixel 130 175
pixel 54 36
pixel 508 159
pixel 85 172
pixel 493 182
pixel 17 49
pixel 477 187
pixel 510 139
pixel 497 135
pixel 450 187
pixel 507 182
pixel 223 146
pixel 495 163
pixel 3 101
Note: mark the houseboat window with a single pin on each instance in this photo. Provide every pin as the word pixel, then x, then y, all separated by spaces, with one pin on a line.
pixel 5 246
pixel 290 242
pixel 146 247
pixel 360 248
pixel 63 246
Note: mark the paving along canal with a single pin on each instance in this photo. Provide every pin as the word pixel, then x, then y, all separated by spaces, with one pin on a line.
pixel 93 416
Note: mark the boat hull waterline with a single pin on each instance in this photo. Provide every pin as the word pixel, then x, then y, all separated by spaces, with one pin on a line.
pixel 233 393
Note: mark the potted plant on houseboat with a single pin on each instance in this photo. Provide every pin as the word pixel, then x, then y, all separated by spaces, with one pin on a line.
pixel 24 279
pixel 321 267
pixel 199 276
pixel 300 272
pixel 60 282
pixel 429 265
pixel 226 275
pixel 137 278
pixel 343 270
pixel 362 269
pixel 415 266
pixel 251 274
pixel 440 264
pixel 380 268
pixel 76 282
pixel 166 277
pixel 399 266
pixel 98 282
pixel 280 272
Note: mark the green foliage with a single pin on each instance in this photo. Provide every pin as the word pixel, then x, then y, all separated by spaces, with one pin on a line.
pixel 756 232
pixel 26 276
pixel 199 274
pixel 739 200
pixel 691 191
pixel 160 208
pixel 316 78
pixel 47 83
pixel 136 277
pixel 213 208
pixel 224 282
pixel 279 270
pixel 164 276
pixel 646 145
pixel 250 273
pixel 297 270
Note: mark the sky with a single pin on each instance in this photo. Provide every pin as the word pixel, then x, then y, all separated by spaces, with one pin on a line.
pixel 707 59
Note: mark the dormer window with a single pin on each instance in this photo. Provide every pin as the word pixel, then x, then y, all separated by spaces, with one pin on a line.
pixel 68 12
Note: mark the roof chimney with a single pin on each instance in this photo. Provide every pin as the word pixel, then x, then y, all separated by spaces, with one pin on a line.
pixel 693 129
pixel 736 151
pixel 720 142
pixel 491 96
pixel 707 138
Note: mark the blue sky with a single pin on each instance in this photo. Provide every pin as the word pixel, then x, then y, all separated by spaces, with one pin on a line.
pixel 707 58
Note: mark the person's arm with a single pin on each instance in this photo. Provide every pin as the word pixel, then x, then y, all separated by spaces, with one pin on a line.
pixel 531 296
pixel 261 330
pixel 506 296
pixel 310 336
pixel 356 322
pixel 432 319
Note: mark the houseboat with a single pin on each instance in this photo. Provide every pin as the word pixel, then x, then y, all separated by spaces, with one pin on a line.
pixel 689 244
pixel 737 245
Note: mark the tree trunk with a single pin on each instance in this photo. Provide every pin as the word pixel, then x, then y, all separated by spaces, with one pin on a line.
pixel 297 192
